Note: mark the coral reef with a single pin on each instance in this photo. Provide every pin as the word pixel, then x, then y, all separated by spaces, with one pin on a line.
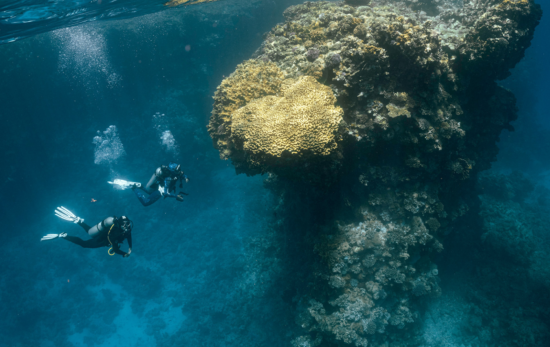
pixel 421 113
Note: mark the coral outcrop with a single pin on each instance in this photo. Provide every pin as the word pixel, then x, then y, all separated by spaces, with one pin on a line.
pixel 421 113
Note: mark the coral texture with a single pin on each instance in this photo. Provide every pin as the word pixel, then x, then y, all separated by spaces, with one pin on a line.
pixel 288 129
pixel 252 79
pixel 421 115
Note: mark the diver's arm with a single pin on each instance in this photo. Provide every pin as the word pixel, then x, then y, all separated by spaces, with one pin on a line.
pixel 117 250
pixel 181 178
pixel 129 238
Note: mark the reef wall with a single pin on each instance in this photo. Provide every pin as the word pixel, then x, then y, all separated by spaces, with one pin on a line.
pixel 373 122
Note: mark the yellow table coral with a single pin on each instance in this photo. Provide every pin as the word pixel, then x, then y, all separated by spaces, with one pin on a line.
pixel 302 120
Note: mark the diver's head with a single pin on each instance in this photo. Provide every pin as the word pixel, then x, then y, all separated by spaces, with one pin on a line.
pixel 174 167
pixel 125 224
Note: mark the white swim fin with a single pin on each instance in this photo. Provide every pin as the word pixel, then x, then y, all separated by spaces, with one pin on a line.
pixel 52 236
pixel 123 184
pixel 65 214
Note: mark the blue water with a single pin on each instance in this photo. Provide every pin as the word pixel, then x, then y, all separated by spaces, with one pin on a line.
pixel 23 18
pixel 209 271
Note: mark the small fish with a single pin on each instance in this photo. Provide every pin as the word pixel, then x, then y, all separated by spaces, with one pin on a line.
pixel 93 200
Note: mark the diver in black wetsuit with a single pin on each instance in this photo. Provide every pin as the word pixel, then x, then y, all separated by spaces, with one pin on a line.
pixel 111 231
pixel 162 183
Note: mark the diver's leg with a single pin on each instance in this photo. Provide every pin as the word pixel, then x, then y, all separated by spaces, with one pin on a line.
pixel 142 196
pixel 152 185
pixel 147 199
pixel 85 226
pixel 154 197
pixel 92 243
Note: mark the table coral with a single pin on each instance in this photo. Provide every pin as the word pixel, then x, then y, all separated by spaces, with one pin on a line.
pixel 289 129
pixel 252 80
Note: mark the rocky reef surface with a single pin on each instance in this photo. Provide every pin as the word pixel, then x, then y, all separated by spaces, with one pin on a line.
pixel 372 121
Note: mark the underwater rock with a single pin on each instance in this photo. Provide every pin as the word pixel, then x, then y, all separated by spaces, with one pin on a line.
pixel 421 114
pixel 312 54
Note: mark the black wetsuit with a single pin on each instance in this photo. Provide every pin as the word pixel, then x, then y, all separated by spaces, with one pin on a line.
pixel 163 177
pixel 101 233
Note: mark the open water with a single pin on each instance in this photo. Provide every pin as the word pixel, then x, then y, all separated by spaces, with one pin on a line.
pixel 96 90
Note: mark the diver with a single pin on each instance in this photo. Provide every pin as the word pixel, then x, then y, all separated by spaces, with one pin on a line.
pixel 111 231
pixel 162 183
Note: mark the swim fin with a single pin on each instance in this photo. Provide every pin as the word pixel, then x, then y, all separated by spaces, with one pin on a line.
pixel 123 184
pixel 52 236
pixel 65 214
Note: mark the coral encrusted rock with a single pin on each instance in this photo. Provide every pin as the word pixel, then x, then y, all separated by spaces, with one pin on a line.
pixel 373 123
